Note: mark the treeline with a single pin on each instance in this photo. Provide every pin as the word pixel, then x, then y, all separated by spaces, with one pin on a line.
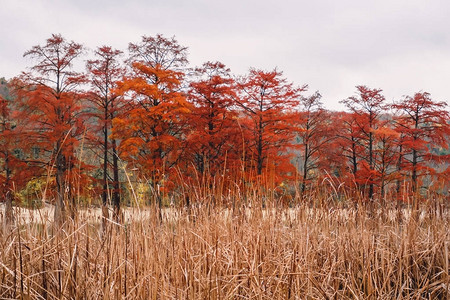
pixel 146 116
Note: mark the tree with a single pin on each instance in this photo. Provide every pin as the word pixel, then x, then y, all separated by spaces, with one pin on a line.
pixel 367 106
pixel 423 124
pixel 212 122
pixel 349 137
pixel 7 143
pixel 5 151
pixel 314 132
pixel 158 53
pixel 16 152
pixel 104 72
pixel 155 122
pixel 269 101
pixel 386 153
pixel 50 104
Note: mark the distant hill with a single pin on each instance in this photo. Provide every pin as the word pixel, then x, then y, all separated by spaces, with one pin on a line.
pixel 4 90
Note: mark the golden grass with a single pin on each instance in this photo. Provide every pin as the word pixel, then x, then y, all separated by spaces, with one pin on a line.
pixel 204 253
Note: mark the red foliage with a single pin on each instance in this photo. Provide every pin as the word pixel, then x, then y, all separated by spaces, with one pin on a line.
pixel 15 171
pixel 50 104
pixel 424 127
pixel 211 130
pixel 268 102
pixel 104 73
pixel 214 141
pixel 367 107
pixel 154 124
pixel 315 131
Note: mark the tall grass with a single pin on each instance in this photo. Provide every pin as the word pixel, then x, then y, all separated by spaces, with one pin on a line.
pixel 307 252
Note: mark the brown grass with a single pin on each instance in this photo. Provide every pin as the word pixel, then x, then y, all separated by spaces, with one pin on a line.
pixel 251 253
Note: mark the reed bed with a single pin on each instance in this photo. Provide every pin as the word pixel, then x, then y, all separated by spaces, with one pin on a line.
pixel 222 253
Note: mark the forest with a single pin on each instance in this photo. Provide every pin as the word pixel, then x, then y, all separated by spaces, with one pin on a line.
pixel 252 187
pixel 71 136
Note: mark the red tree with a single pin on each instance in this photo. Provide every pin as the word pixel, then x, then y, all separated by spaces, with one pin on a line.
pixel 386 155
pixel 152 129
pixel 213 126
pixel 424 125
pixel 314 133
pixel 269 101
pixel 367 106
pixel 51 106
pixel 349 141
pixel 104 72
pixel 14 170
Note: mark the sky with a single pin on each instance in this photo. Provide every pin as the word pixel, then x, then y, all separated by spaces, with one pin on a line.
pixel 399 46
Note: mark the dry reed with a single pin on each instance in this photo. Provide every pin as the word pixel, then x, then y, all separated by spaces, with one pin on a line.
pixel 221 253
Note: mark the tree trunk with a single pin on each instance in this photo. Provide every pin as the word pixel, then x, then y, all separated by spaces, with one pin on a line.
pixel 59 214
pixel 354 160
pixel 307 154
pixel 414 154
pixel 399 168
pixel 414 171
pixel 305 170
pixel 259 162
pixel 9 214
pixel 371 162
pixel 116 188
pixel 105 211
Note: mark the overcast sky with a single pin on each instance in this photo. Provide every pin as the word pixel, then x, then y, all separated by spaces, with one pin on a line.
pixel 400 46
